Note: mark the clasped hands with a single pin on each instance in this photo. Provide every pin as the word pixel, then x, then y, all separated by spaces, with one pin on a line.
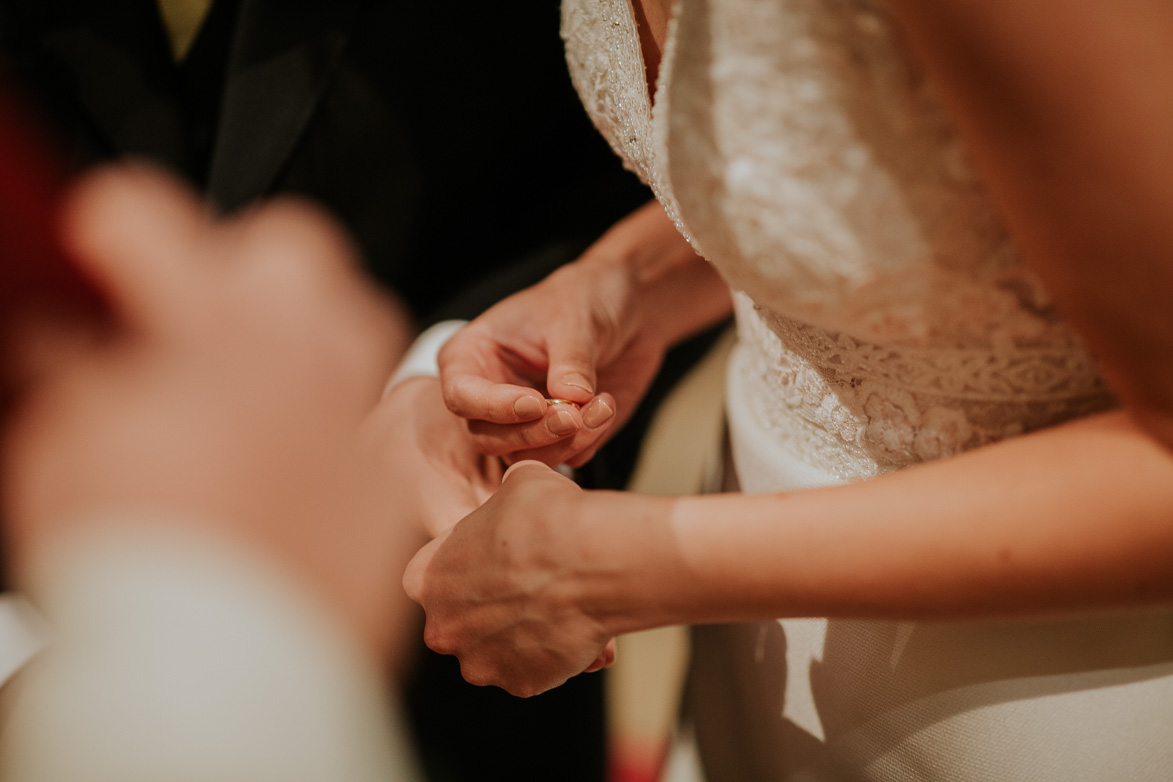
pixel 503 589
pixel 199 409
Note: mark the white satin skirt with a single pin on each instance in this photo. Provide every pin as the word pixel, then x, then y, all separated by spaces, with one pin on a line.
pixel 813 699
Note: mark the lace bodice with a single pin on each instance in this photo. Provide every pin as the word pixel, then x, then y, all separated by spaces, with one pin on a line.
pixel 884 314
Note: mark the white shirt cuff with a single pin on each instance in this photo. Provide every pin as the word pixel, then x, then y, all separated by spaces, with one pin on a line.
pixel 421 358
pixel 22 634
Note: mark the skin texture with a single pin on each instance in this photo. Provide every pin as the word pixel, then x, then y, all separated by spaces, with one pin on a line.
pixel 522 572
pixel 623 297
pixel 1070 134
pixel 199 409
pixel 536 581
pixel 426 453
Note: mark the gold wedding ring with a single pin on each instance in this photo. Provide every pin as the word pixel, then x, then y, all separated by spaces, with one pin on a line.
pixel 576 405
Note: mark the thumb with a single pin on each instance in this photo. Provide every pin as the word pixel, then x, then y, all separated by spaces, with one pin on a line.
pixel 530 468
pixel 573 360
pixel 413 575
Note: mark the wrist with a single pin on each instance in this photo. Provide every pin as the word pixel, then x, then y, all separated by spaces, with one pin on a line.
pixel 636 581
pixel 676 292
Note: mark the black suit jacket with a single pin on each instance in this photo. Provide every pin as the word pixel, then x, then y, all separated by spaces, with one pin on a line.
pixel 445 135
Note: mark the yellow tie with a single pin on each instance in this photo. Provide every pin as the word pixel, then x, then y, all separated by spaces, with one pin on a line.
pixel 183 19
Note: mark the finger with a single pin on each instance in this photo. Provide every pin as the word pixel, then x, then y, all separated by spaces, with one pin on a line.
pixel 578 449
pixel 571 452
pixel 610 651
pixel 573 358
pixel 559 423
pixel 413 575
pixel 605 659
pixel 477 398
pixel 135 231
pixel 527 470
pixel 598 417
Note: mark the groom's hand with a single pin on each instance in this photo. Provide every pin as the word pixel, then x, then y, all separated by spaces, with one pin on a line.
pixel 432 472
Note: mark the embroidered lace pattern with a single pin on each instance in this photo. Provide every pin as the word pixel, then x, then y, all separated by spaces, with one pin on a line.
pixel 607 68
pixel 886 313
pixel 856 409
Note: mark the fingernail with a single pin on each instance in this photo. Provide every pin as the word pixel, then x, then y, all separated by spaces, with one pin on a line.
pixel 561 424
pixel 528 408
pixel 578 381
pixel 597 413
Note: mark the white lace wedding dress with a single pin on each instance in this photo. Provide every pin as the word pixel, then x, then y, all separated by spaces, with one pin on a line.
pixel 884 319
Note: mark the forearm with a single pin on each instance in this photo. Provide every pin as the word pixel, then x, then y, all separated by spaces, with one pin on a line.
pixel 675 291
pixel 1072 519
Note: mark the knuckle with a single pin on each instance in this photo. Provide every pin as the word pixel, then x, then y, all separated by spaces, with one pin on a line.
pixel 478 674
pixel 436 639
pixel 524 689
pixel 451 391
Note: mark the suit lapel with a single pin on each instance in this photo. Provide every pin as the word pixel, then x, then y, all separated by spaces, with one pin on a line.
pixel 116 57
pixel 282 58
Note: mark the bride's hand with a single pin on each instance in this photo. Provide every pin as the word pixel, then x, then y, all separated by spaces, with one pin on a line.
pixel 593 333
pixel 529 590
pixel 576 336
